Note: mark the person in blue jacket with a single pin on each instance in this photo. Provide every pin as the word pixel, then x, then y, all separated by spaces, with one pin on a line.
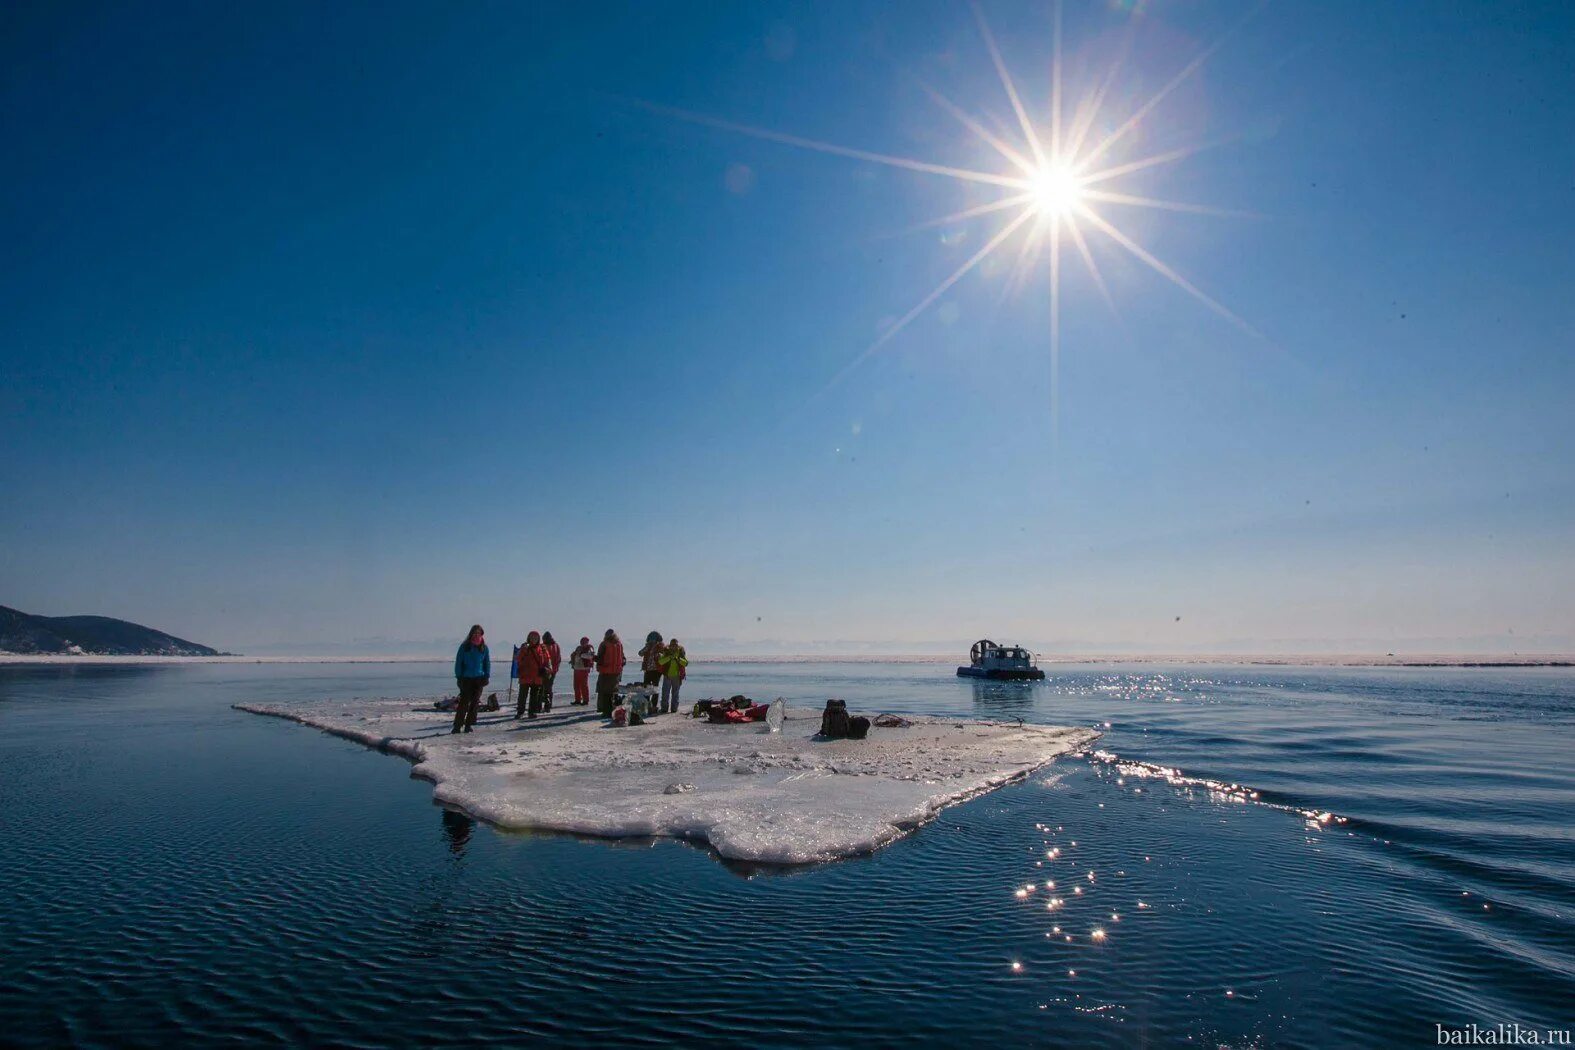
pixel 472 669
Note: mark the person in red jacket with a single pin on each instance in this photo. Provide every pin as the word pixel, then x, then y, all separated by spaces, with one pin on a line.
pixel 609 671
pixel 554 661
pixel 533 668
pixel 580 662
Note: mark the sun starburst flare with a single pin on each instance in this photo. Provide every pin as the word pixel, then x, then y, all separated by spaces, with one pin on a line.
pixel 1054 182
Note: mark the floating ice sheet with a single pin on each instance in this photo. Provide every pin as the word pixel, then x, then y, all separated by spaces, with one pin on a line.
pixel 775 798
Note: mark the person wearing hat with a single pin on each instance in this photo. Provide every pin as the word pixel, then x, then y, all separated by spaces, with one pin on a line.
pixel 609 670
pixel 580 662
pixel 533 664
pixel 648 659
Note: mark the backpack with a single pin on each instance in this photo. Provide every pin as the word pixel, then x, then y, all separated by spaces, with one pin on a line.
pixel 858 727
pixel 834 721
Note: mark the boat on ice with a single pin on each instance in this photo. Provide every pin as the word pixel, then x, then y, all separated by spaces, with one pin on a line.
pixel 1010 662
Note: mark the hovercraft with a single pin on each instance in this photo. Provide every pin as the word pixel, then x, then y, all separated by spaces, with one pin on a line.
pixel 1003 662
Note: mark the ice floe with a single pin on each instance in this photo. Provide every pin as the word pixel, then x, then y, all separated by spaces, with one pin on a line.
pixel 774 798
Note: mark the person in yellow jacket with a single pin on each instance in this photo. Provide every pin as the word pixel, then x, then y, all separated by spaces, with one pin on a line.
pixel 672 660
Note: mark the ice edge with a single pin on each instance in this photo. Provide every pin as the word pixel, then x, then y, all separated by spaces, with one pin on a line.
pixel 891 828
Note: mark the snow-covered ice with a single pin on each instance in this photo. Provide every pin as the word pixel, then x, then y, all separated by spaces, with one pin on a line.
pixel 776 798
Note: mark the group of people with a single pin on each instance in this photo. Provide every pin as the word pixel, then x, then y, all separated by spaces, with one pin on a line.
pixel 536 665
pixel 538 660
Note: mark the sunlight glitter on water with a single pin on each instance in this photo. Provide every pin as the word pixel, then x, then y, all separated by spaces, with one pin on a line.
pixel 1218 791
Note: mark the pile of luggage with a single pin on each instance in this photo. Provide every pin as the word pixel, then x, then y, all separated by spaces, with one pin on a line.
pixel 448 703
pixel 837 724
pixel 734 709
pixel 635 704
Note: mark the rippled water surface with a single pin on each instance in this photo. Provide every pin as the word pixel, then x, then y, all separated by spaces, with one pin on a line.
pixel 1277 857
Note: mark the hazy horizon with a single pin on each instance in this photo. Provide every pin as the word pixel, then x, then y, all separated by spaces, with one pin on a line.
pixel 956 648
pixel 506 631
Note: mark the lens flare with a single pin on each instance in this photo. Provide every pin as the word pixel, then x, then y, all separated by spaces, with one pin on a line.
pixel 1056 183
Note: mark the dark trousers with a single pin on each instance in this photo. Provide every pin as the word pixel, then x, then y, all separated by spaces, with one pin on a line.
pixel 469 700
pixel 546 690
pixel 606 692
pixel 532 697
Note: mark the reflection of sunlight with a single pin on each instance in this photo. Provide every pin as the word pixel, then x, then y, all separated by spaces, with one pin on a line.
pixel 1055 175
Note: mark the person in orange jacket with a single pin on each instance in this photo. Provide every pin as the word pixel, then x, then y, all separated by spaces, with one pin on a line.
pixel 609 671
pixel 533 663
pixel 554 661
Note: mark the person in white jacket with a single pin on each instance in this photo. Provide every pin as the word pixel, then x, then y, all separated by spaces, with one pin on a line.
pixel 580 662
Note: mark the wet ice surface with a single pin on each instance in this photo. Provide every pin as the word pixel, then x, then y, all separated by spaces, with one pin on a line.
pixel 772 798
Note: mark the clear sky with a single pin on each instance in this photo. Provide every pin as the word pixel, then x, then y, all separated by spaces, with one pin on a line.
pixel 330 323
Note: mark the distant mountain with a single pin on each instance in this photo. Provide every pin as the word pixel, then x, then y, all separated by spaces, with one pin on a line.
pixel 22 632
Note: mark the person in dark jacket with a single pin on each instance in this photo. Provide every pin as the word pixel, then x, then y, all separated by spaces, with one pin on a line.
pixel 554 661
pixel 649 657
pixel 609 671
pixel 472 670
pixel 533 674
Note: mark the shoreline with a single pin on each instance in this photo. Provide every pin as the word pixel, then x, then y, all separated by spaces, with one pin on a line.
pixel 1440 660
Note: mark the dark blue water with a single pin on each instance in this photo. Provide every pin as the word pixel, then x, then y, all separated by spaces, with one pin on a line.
pixel 173 871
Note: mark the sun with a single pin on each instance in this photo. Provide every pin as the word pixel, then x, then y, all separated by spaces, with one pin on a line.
pixel 1057 182
pixel 1057 191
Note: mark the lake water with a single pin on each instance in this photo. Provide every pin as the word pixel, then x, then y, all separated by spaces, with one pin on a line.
pixel 172 870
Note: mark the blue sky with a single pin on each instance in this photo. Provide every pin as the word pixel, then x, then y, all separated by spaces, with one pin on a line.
pixel 323 324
